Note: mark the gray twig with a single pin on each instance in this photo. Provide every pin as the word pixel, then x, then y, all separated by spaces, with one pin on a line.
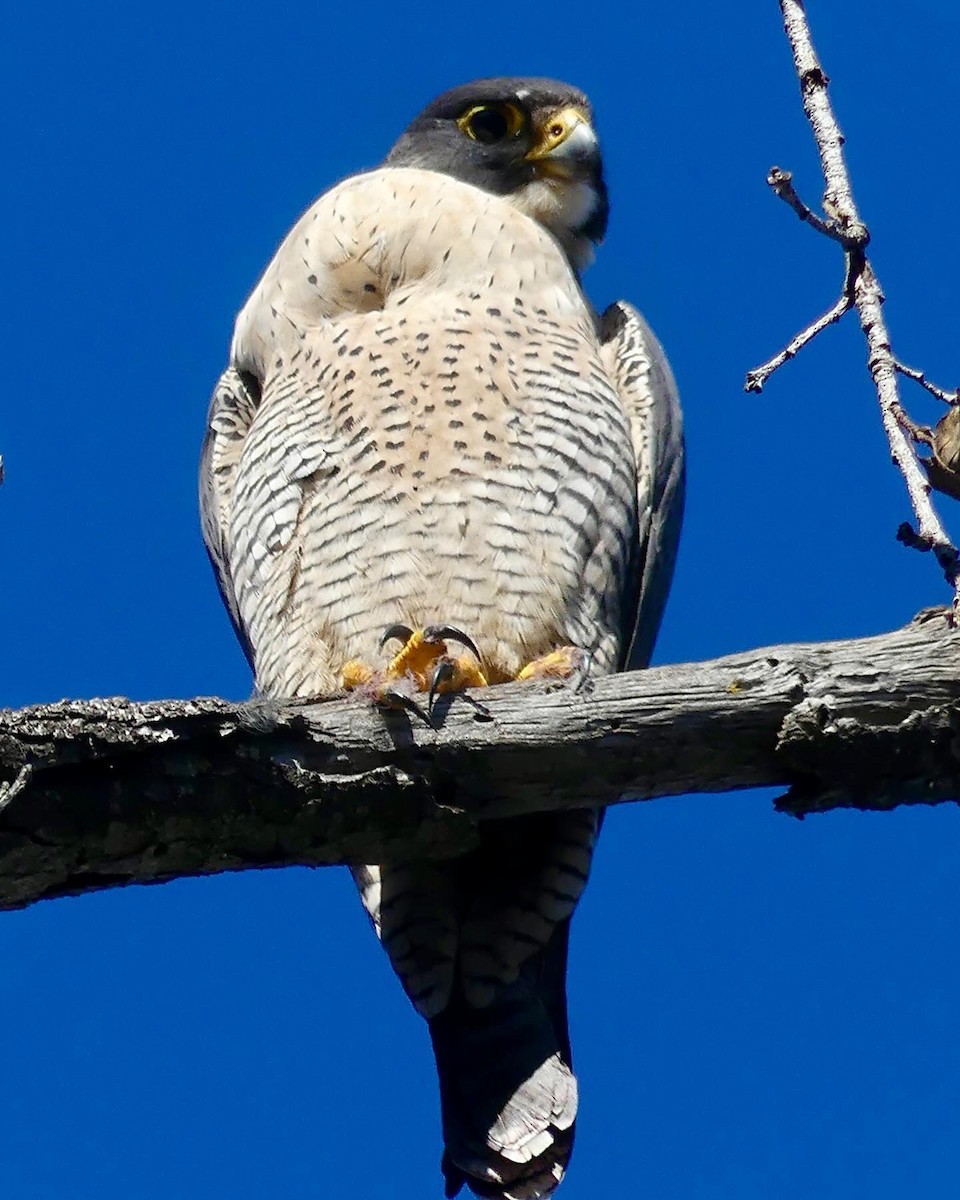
pixel 919 377
pixel 759 375
pixel 782 183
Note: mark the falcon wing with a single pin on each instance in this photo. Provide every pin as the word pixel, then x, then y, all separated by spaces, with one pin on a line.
pixel 232 409
pixel 649 395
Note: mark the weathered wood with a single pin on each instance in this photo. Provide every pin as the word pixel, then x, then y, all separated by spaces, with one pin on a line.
pixel 106 792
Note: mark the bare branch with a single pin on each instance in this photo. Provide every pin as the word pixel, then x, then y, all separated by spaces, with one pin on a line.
pixel 108 792
pixel 931 534
pixel 919 377
pixel 838 199
pixel 844 224
pixel 782 183
pixel 759 375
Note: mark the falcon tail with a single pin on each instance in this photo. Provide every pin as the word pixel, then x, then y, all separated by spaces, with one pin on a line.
pixel 507 1088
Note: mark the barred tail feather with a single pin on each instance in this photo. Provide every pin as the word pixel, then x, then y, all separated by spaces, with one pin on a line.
pixel 507 1088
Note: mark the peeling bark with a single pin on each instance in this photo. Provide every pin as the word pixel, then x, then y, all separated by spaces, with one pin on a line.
pixel 101 793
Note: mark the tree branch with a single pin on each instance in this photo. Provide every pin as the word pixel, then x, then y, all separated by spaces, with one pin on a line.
pixel 107 792
pixel 844 224
pixel 759 375
pixel 919 377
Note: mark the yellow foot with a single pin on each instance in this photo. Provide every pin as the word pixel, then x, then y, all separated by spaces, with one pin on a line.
pixel 356 674
pixel 424 664
pixel 558 664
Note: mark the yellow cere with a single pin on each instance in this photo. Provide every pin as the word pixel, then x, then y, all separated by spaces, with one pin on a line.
pixel 555 129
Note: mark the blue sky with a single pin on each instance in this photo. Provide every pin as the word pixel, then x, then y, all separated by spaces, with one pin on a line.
pixel 760 1007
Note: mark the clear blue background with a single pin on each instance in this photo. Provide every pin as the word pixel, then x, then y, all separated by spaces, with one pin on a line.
pixel 761 1008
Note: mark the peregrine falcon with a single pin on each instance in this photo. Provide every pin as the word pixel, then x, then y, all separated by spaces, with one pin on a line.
pixel 431 465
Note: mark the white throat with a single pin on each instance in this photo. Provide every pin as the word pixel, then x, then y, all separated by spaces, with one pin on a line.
pixel 564 207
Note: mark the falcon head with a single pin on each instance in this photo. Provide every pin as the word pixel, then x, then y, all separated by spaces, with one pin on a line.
pixel 529 140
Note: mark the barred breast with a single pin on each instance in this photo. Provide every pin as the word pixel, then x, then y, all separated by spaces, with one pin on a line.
pixel 437 439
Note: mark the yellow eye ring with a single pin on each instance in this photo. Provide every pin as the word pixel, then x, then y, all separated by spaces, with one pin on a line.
pixel 490 123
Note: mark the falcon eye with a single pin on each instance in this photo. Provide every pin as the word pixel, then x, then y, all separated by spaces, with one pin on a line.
pixel 490 123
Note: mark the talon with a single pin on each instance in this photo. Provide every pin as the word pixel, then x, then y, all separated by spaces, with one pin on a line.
pixel 417 666
pixel 394 697
pixel 402 633
pixel 443 672
pixel 449 633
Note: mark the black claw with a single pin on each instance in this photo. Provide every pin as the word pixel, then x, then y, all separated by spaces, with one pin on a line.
pixel 443 671
pixel 402 632
pixel 449 633
pixel 406 702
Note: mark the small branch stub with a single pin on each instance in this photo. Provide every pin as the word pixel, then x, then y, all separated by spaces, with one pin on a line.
pixel 9 791
pixel 856 238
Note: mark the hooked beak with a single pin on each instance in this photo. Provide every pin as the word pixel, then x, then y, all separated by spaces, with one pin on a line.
pixel 566 146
